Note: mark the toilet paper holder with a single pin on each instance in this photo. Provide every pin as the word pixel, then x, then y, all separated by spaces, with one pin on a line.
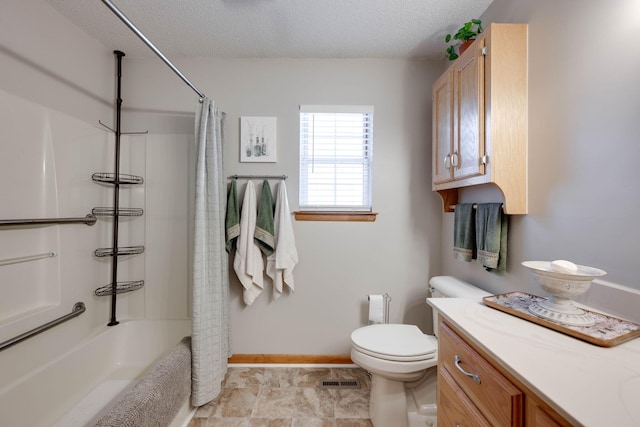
pixel 386 300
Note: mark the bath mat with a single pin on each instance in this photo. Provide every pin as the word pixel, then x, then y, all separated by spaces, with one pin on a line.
pixel 157 397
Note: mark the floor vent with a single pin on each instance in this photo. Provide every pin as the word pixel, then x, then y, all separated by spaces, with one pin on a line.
pixel 339 384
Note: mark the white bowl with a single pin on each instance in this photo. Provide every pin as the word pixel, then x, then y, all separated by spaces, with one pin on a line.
pixel 562 285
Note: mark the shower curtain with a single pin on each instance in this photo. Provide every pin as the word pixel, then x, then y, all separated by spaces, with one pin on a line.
pixel 210 316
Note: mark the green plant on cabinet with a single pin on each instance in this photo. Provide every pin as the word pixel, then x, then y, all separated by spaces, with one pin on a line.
pixel 467 32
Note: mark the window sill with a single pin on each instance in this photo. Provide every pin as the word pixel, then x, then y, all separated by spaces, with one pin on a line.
pixel 335 216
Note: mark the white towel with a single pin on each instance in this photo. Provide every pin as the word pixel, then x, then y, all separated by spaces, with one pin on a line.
pixel 281 262
pixel 248 263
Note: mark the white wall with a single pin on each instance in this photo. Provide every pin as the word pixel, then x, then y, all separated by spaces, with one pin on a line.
pixel 54 81
pixel 340 263
pixel 47 60
pixel 583 143
pixel 56 84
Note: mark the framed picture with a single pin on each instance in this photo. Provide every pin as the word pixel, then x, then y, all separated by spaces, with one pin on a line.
pixel 258 139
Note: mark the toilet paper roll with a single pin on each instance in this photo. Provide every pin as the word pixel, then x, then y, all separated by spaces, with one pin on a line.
pixel 376 309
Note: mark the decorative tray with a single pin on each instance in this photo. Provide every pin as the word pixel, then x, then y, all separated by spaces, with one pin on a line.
pixel 607 331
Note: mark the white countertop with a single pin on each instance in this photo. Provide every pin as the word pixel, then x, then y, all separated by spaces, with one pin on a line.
pixel 587 384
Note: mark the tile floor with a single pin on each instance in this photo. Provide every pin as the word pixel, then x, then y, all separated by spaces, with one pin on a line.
pixel 287 397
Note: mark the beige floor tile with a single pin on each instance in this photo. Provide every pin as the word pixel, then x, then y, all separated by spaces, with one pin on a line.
pixel 352 404
pixel 244 377
pixel 204 411
pixel 279 377
pixel 353 423
pixel 227 422
pixel 314 422
pixel 198 422
pixel 287 397
pixel 236 402
pixel 275 403
pixel 270 422
pixel 313 402
pixel 310 377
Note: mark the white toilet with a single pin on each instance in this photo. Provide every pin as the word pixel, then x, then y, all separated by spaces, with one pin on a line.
pixel 402 363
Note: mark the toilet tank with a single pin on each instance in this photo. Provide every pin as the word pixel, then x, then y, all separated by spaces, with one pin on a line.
pixel 450 287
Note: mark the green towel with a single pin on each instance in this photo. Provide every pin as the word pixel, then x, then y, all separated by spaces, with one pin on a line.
pixel 464 238
pixel 232 220
pixel 491 236
pixel 264 234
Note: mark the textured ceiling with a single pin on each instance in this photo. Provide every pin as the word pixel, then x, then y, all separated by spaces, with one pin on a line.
pixel 276 28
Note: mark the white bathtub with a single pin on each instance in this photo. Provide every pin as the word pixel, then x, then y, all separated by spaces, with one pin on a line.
pixel 72 390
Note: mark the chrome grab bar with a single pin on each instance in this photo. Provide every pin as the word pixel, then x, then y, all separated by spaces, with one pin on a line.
pixel 475 377
pixel 89 220
pixel 77 310
pixel 27 258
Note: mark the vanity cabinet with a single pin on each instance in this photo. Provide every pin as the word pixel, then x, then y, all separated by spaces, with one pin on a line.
pixel 480 119
pixel 474 391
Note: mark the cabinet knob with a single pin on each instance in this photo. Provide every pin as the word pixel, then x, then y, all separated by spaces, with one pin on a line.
pixel 454 160
pixel 475 377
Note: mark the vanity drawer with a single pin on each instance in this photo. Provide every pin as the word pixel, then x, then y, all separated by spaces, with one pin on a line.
pixel 454 407
pixel 495 396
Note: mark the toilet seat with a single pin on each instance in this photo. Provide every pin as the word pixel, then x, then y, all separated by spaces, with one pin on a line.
pixel 394 342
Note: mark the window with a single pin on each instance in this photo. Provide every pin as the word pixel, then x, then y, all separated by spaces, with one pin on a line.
pixel 336 148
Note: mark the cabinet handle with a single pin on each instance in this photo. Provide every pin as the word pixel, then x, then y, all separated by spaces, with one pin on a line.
pixel 454 159
pixel 447 162
pixel 476 377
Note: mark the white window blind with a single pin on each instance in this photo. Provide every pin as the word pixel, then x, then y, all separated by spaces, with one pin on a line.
pixel 336 151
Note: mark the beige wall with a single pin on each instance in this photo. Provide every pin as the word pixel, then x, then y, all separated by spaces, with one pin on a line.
pixel 583 143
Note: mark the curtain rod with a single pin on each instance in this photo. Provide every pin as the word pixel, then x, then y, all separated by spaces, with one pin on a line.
pixel 133 28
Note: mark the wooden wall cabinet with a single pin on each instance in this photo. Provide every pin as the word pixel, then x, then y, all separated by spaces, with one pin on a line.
pixel 480 119
pixel 474 391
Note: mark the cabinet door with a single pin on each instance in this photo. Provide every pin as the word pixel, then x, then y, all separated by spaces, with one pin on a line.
pixel 442 128
pixel 537 416
pixel 469 120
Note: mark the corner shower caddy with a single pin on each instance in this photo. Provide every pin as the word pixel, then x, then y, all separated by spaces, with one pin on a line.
pixel 117 179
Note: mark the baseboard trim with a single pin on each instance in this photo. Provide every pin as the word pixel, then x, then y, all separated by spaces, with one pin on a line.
pixel 312 359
